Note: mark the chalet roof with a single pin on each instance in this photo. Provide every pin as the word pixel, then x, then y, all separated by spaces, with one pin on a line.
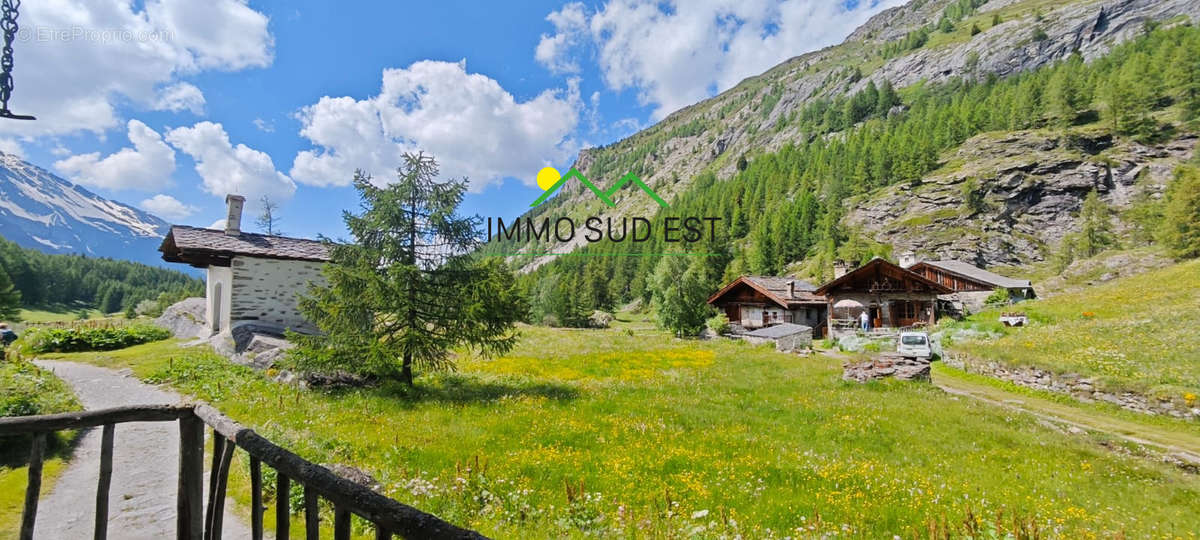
pixel 883 265
pixel 210 247
pixel 976 273
pixel 779 330
pixel 776 288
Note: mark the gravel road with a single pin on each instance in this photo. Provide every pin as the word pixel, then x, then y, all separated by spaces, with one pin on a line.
pixel 145 466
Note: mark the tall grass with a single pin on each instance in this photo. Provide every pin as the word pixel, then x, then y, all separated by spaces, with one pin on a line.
pixel 613 433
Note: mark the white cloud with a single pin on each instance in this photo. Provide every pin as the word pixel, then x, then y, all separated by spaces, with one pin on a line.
pixel 553 51
pixel 677 53
pixel 9 145
pixel 168 207
pixel 78 60
pixel 180 97
pixel 471 124
pixel 146 166
pixel 264 126
pixel 225 168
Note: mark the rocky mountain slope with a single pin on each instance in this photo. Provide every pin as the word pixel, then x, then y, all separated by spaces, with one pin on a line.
pixel 1030 185
pixel 1000 37
pixel 42 211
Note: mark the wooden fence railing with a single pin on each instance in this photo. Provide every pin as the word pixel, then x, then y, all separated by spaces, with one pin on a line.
pixel 197 519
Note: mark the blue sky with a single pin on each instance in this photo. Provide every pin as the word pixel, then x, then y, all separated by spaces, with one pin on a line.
pixel 170 104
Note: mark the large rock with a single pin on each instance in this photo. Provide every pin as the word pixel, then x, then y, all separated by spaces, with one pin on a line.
pixel 186 319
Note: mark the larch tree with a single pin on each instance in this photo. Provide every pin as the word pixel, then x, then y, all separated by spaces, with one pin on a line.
pixel 409 288
pixel 268 217
pixel 1181 216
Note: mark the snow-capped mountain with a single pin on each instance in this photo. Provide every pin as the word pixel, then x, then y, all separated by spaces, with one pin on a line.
pixel 42 211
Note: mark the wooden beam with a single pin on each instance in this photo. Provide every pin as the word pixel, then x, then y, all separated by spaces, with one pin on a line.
pixel 189 506
pixel 86 419
pixel 34 487
pixel 102 485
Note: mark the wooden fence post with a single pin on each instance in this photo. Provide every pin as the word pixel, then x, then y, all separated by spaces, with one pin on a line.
pixel 106 453
pixel 218 448
pixel 189 508
pixel 218 500
pixel 256 505
pixel 312 517
pixel 34 487
pixel 341 523
pixel 283 500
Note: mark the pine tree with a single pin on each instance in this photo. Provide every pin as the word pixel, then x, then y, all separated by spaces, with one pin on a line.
pixel 407 291
pixel 10 299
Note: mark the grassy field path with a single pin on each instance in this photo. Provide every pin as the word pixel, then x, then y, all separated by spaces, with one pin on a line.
pixel 145 465
pixel 1182 443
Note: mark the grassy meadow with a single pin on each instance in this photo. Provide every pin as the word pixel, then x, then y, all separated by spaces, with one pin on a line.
pixel 631 433
pixel 1137 333
pixel 26 390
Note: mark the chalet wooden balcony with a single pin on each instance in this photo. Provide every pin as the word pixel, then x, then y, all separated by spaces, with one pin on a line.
pixel 197 519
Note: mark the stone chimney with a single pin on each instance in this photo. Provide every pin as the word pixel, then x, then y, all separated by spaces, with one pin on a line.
pixel 233 222
pixel 840 268
pixel 791 288
pixel 908 258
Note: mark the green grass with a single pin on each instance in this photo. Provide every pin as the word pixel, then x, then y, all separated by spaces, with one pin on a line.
pixel 605 433
pixel 41 316
pixel 25 390
pixel 1137 333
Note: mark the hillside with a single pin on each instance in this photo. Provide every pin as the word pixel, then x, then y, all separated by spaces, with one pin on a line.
pixel 978 137
pixel 42 211
pixel 1134 334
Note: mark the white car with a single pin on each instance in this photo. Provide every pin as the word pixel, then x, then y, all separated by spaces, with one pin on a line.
pixel 914 345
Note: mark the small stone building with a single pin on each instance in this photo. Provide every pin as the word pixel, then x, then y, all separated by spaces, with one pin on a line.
pixel 250 278
pixel 787 337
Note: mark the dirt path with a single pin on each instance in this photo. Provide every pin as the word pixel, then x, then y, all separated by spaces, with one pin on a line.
pixel 145 466
pixel 1184 444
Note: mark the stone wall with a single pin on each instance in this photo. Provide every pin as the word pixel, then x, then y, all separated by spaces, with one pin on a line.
pixel 886 366
pixel 1081 388
pixel 267 291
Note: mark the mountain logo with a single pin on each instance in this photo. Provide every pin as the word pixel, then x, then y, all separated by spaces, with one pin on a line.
pixel 549 180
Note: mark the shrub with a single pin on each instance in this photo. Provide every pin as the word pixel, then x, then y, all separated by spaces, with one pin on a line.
pixel 719 324
pixel 89 338
pixel 999 297
pixel 1039 34
pixel 600 319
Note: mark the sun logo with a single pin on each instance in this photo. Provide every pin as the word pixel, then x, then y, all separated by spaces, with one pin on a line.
pixel 547 177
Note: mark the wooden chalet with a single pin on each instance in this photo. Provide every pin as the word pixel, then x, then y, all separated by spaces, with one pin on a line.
pixel 892 296
pixel 759 301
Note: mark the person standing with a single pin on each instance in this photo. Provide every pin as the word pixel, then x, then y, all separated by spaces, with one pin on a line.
pixel 866 320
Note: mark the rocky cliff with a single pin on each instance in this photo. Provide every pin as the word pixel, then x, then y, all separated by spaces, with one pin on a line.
pixel 1030 185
